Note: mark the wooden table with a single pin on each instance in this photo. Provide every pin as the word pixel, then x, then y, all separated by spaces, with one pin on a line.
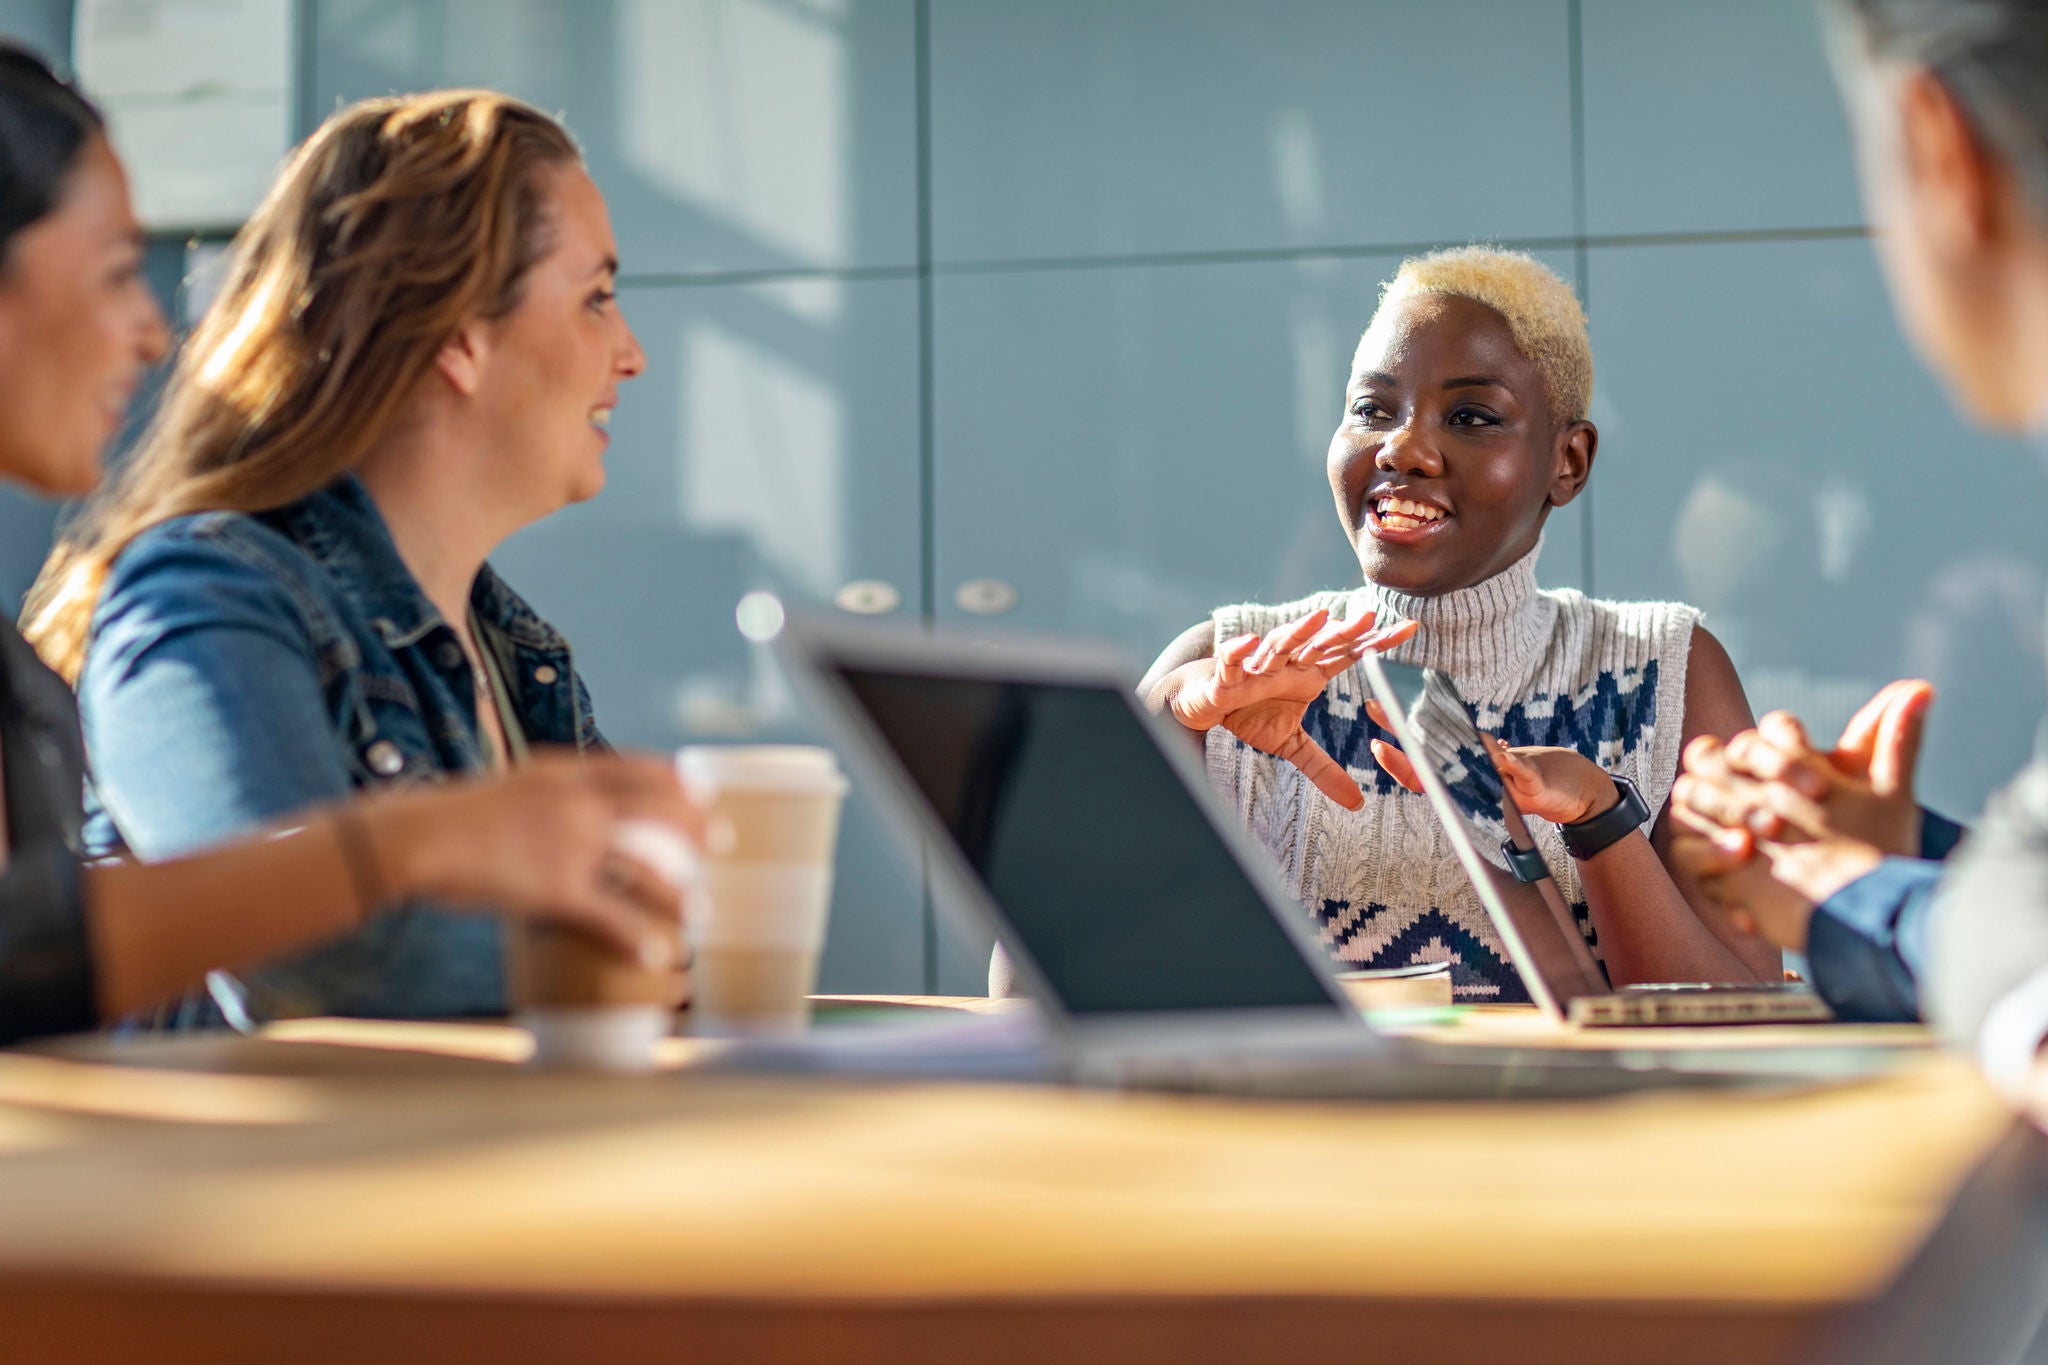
pixel 349 1191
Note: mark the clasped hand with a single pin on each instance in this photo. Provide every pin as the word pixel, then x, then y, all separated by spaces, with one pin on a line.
pixel 1775 825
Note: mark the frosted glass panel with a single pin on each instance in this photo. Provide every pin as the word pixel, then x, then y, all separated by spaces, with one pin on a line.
pixel 728 134
pixel 1704 117
pixel 1078 128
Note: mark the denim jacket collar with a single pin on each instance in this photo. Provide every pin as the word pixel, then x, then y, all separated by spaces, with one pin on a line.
pixel 342 529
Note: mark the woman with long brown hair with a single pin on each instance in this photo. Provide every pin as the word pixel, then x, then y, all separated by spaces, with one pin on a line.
pixel 283 596
pixel 81 942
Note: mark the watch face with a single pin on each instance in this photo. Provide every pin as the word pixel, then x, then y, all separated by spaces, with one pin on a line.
pixel 1526 863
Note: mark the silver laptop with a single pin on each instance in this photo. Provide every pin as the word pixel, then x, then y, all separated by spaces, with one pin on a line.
pixel 1542 937
pixel 1059 815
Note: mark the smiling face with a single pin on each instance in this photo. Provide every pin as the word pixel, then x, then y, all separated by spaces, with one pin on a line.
pixel 553 365
pixel 78 326
pixel 1448 459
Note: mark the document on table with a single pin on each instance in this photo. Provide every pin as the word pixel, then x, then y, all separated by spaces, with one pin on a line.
pixel 1008 1046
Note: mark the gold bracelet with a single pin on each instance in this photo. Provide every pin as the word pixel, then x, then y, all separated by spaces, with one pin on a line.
pixel 361 858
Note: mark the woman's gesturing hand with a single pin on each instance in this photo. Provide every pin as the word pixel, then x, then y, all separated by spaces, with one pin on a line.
pixel 1560 785
pixel 542 841
pixel 1260 688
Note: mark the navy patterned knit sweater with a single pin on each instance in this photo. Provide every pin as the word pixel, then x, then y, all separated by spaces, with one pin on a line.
pixel 1382 884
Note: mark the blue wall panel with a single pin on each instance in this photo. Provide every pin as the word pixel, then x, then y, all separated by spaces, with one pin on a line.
pixel 1711 117
pixel 1076 128
pixel 759 135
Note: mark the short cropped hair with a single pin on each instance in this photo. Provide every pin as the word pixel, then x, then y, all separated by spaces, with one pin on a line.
pixel 1542 312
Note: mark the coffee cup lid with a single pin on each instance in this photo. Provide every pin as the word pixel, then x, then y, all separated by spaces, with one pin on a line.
pixel 761 767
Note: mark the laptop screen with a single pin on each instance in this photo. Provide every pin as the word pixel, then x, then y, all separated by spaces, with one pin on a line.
pixel 1104 864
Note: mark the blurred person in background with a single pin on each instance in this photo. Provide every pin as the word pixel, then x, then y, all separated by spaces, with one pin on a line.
pixel 84 942
pixel 1827 851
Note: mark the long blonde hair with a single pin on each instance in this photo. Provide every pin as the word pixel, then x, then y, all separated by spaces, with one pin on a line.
pixel 399 220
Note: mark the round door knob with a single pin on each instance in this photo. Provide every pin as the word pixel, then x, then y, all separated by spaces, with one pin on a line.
pixel 985 596
pixel 868 597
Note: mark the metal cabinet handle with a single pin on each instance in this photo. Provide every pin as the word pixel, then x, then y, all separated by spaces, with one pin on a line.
pixel 985 596
pixel 868 597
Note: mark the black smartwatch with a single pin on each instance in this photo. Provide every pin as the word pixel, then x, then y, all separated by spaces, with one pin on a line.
pixel 1526 863
pixel 1588 837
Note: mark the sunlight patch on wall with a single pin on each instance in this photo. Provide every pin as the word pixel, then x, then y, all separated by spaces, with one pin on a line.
pixel 763 455
pixel 767 156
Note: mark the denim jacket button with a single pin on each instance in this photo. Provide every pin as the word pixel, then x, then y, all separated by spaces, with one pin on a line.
pixel 449 655
pixel 384 758
pixel 545 674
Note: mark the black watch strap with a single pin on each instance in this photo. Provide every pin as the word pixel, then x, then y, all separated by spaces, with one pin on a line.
pixel 1588 837
pixel 1526 863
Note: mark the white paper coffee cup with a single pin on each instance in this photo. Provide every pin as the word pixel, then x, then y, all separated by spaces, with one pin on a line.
pixel 596 1037
pixel 758 926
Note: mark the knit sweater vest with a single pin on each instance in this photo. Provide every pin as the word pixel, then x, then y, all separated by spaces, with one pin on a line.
pixel 1382 884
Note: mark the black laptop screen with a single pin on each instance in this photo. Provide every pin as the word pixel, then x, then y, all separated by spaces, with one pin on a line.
pixel 1101 860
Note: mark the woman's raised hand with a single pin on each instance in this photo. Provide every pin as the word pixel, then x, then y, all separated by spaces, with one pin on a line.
pixel 1259 688
pixel 542 841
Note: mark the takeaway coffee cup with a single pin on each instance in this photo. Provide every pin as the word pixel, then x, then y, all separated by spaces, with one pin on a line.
pixel 756 929
pixel 587 1005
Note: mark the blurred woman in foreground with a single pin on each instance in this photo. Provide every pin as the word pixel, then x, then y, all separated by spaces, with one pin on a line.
pixel 1827 851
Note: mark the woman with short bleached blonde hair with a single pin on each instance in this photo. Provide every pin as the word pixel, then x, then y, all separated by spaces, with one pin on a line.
pixel 284 596
pixel 1465 424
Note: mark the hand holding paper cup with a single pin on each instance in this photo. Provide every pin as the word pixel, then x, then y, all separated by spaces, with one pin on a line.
pixel 759 925
pixel 587 1005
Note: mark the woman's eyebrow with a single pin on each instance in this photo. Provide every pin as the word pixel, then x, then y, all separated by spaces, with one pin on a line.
pixel 1376 378
pixel 608 266
pixel 1475 381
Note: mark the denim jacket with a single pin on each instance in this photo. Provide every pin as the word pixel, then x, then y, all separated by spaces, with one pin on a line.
pixel 242 668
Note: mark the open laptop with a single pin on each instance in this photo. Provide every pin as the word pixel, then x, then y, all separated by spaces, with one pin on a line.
pixel 1151 932
pixel 1543 940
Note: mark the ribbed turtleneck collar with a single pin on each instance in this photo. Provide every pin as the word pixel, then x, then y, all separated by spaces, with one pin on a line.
pixel 1493 631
